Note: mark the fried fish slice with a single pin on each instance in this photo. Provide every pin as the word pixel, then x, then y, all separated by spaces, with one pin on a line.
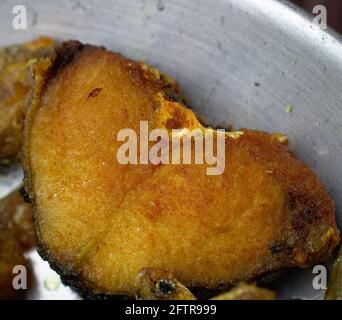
pixel 99 222
pixel 16 236
pixel 245 291
pixel 15 84
pixel 16 215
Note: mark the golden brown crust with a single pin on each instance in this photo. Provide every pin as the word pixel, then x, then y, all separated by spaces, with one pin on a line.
pixel 98 222
pixel 15 84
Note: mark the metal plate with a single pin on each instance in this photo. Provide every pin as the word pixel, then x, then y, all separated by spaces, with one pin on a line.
pixel 239 62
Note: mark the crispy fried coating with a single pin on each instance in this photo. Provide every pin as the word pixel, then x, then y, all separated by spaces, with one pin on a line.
pixel 99 222
pixel 159 284
pixel 16 235
pixel 15 84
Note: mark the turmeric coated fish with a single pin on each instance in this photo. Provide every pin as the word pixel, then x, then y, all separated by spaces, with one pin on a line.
pixel 99 222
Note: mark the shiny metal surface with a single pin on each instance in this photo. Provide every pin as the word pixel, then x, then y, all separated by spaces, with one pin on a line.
pixel 240 62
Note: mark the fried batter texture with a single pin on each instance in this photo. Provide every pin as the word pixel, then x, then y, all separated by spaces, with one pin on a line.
pixel 16 236
pixel 15 84
pixel 99 222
